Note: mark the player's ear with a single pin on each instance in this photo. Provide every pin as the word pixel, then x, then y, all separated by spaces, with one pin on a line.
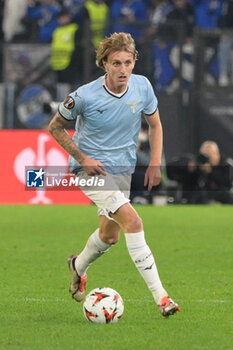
pixel 104 63
pixel 134 63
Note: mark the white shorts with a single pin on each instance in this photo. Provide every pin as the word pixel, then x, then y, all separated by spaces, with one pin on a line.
pixel 111 196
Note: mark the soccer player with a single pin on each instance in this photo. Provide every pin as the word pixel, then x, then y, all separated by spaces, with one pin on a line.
pixel 108 118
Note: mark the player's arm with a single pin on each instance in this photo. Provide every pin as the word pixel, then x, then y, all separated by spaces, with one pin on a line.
pixel 153 174
pixel 57 129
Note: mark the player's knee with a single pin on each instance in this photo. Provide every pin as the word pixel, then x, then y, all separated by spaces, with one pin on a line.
pixel 113 240
pixel 133 224
pixel 109 239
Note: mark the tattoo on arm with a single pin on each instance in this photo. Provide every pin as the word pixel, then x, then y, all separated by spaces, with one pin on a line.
pixel 58 131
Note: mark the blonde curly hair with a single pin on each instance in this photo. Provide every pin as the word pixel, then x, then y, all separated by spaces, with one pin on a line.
pixel 116 42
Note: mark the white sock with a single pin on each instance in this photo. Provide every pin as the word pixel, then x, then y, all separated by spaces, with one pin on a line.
pixel 145 263
pixel 94 248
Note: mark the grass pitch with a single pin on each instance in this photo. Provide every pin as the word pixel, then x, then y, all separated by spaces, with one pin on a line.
pixel 193 251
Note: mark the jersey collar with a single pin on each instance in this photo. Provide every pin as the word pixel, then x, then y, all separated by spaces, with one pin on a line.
pixel 109 91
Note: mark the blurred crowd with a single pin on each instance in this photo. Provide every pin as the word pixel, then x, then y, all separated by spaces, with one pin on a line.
pixel 40 20
pixel 202 178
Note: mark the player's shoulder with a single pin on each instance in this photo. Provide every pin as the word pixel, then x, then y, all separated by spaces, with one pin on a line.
pixel 89 89
pixel 140 80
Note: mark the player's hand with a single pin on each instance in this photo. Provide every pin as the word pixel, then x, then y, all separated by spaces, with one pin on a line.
pixel 152 177
pixel 93 167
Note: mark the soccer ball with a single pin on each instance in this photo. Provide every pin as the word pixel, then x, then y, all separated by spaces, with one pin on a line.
pixel 103 305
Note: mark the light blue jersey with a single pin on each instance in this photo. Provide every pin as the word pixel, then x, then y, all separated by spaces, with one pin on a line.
pixel 107 126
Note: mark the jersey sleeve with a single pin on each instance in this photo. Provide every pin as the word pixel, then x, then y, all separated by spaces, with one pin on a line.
pixel 151 102
pixel 72 106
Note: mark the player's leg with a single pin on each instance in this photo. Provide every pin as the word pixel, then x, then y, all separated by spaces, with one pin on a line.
pixel 109 230
pixel 98 243
pixel 139 251
pixel 131 224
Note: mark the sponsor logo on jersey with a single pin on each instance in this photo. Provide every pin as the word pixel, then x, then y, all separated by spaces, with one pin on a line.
pixel 69 103
pixel 101 111
pixel 64 110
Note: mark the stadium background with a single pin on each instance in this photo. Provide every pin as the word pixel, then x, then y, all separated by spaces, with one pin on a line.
pixel 183 69
pixel 192 244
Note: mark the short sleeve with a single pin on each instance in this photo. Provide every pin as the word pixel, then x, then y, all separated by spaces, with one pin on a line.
pixel 72 106
pixel 151 101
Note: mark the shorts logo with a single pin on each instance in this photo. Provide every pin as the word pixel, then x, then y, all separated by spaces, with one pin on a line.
pixel 114 199
pixel 35 178
pixel 69 103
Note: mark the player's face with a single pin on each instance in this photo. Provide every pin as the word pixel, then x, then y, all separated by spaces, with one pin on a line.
pixel 119 66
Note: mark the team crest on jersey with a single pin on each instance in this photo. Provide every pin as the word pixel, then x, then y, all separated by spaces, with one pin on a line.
pixel 133 106
pixel 69 103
